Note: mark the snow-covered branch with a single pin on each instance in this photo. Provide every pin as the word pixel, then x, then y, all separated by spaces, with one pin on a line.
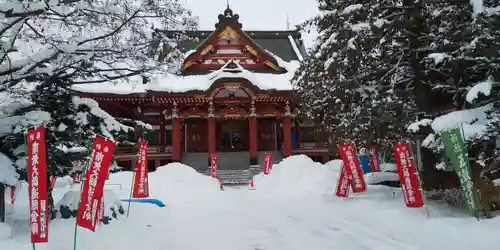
pixel 87 40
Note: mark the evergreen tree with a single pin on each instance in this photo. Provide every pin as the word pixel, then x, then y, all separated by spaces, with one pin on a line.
pixel 348 81
pixel 70 123
pixel 462 61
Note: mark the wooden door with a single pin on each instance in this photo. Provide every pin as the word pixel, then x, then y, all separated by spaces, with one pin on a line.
pixel 232 135
pixel 196 137
pixel 266 134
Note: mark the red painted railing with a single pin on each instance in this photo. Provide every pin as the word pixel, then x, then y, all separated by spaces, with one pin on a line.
pixel 151 149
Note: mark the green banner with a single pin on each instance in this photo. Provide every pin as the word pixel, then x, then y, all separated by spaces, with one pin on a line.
pixel 456 151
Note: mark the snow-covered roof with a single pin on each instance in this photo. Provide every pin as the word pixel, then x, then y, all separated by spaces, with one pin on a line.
pixel 178 84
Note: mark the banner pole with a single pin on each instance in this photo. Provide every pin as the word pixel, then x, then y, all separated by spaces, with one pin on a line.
pixel 470 169
pixel 27 164
pixel 130 194
pixel 84 170
pixel 418 168
pixel 133 179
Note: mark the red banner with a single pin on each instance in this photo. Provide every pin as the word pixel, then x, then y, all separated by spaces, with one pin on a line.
pixel 141 186
pixel 37 182
pixel 408 175
pixel 52 181
pixel 269 162
pixel 93 185
pixel 374 160
pixel 350 158
pixel 101 211
pixel 266 163
pixel 342 184
pixel 214 165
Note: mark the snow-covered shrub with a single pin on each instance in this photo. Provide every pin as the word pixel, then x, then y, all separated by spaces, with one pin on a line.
pixel 67 207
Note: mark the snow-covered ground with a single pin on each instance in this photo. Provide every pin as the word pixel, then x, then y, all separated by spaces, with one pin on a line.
pixel 292 208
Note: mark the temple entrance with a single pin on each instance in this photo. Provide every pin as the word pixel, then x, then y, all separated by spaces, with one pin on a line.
pixel 233 135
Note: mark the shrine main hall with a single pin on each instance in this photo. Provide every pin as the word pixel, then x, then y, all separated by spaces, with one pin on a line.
pixel 234 98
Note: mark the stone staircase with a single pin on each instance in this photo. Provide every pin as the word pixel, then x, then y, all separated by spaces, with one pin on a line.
pixel 233 167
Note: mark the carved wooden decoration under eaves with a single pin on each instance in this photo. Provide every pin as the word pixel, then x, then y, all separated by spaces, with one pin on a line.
pixel 229 42
pixel 230 36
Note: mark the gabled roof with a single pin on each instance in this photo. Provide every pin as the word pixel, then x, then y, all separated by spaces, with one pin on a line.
pixel 279 42
pixel 286 45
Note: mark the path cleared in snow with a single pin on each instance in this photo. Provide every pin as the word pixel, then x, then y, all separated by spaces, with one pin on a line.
pixel 291 209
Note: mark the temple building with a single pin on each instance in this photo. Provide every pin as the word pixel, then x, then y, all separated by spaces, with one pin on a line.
pixel 234 99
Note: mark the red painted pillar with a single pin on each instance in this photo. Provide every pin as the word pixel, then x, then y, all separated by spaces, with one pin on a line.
pixel 287 140
pixel 212 141
pixel 252 134
pixel 176 139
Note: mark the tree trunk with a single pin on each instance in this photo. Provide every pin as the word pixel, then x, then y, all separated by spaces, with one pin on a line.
pixel 2 202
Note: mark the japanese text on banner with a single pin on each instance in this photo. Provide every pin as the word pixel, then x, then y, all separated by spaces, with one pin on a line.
pixel 348 155
pixel 37 181
pixel 342 184
pixel 455 150
pixel 141 186
pixel 408 175
pixel 214 165
pixel 93 185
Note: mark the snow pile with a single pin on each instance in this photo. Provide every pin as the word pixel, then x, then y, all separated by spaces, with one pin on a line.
pixel 5 231
pixel 68 205
pixel 378 177
pixel 299 175
pixel 8 173
pixel 474 122
pixel 480 88
pixel 172 181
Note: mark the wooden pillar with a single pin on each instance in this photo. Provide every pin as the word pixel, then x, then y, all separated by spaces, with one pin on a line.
pixel 287 140
pixel 287 131
pixel 252 134
pixel 176 139
pixel 176 134
pixel 211 135
pixel 212 140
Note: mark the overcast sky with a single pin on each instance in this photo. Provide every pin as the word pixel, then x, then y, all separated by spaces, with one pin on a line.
pixel 257 14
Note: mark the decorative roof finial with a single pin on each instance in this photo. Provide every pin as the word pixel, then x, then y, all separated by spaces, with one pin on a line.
pixel 228 17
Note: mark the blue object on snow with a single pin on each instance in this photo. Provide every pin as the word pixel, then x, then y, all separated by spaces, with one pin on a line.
pixel 364 161
pixel 150 201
